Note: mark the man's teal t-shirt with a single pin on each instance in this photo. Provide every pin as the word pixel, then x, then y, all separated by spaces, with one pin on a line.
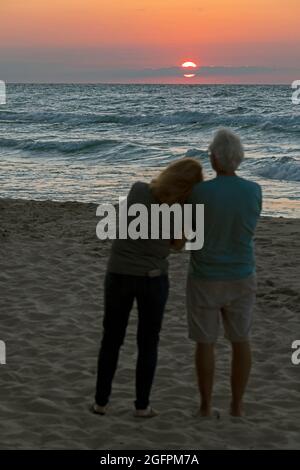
pixel 232 206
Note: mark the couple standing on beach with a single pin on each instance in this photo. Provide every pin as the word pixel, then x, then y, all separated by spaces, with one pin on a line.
pixel 221 280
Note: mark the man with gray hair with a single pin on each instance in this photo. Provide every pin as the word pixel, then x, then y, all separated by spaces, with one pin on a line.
pixel 222 281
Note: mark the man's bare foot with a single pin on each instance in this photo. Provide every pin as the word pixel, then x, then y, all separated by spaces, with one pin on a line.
pixel 99 410
pixel 147 413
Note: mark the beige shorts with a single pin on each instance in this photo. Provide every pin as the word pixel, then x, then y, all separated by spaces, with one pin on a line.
pixel 209 301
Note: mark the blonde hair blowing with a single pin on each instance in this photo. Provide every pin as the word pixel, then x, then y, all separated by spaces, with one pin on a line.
pixel 174 183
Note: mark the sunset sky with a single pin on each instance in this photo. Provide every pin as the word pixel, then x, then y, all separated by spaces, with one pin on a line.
pixel 121 41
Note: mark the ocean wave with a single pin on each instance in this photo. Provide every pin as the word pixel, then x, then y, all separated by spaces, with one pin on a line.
pixel 225 92
pixel 196 153
pixel 65 147
pixel 238 110
pixel 54 118
pixel 285 123
pixel 180 117
pixel 285 168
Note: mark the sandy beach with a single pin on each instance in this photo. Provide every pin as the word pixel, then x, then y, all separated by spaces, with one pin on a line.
pixel 52 270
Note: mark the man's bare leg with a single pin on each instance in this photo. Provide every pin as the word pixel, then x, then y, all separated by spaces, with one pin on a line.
pixel 240 371
pixel 205 367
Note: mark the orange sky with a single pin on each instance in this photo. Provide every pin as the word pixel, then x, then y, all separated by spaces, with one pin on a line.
pixel 152 33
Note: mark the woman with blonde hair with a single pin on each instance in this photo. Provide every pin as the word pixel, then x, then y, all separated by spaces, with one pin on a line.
pixel 138 270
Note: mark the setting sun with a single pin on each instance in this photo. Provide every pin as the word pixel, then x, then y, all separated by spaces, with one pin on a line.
pixel 189 64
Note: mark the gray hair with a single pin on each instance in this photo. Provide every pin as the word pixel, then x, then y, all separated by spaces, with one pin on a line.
pixel 227 149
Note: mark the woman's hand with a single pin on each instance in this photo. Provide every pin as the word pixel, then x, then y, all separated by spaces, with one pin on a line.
pixel 178 244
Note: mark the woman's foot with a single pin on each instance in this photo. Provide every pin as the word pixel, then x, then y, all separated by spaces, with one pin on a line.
pixel 99 410
pixel 208 413
pixel 146 413
pixel 205 411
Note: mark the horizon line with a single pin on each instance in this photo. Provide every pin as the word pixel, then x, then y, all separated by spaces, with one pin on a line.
pixel 146 83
